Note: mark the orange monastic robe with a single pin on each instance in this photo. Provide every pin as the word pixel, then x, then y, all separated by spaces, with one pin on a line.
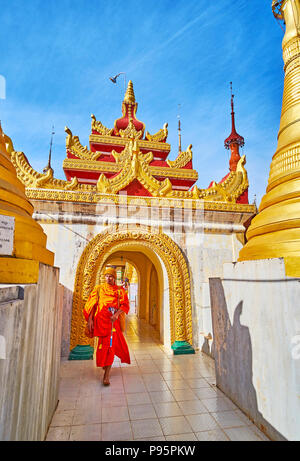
pixel 100 300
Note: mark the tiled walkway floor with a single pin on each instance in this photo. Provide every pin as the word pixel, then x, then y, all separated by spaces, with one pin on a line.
pixel 158 397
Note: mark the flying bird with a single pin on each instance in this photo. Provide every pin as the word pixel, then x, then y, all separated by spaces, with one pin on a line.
pixel 114 79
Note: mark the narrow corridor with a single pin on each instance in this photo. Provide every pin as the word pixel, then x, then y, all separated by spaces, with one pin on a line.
pixel 158 397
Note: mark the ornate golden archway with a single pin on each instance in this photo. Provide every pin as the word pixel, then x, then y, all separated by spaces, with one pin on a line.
pixel 94 256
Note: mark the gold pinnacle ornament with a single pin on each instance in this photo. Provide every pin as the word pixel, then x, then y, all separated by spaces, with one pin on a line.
pixel 275 231
pixel 129 95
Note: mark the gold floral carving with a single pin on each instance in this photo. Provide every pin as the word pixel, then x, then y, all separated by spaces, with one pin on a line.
pixel 103 185
pixel 100 128
pixel 74 146
pixel 227 191
pixel 72 185
pixel 182 159
pixel 160 136
pixel 131 132
pixel 32 179
pixel 104 244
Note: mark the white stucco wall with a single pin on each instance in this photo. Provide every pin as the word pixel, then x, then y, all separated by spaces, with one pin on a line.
pixel 257 343
pixel 30 325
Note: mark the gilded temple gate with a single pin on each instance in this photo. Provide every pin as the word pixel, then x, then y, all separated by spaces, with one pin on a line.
pixel 125 177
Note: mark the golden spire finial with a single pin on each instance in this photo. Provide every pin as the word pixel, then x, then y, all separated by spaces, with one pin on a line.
pixel 179 129
pixel 48 167
pixel 129 95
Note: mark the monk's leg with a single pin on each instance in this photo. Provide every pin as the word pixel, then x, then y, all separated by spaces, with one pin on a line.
pixel 106 375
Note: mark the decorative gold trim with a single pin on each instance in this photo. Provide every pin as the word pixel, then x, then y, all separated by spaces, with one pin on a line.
pixel 93 259
pixel 160 136
pixel 284 163
pixel 133 164
pixel 32 179
pixel 74 146
pixel 100 128
pixel 110 167
pixel 144 144
pixel 95 165
pixel 94 197
pixel 182 159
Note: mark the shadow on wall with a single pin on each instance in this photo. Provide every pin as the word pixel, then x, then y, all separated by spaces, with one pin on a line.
pixel 66 322
pixel 208 346
pixel 233 358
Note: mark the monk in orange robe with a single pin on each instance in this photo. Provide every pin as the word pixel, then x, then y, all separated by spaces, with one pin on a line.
pixel 102 310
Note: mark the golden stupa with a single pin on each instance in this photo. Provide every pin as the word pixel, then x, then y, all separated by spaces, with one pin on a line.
pixel 275 231
pixel 29 241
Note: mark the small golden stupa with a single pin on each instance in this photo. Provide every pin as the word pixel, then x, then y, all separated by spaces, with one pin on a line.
pixel 275 231
pixel 29 240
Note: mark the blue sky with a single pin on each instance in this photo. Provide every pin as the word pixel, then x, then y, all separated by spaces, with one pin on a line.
pixel 56 57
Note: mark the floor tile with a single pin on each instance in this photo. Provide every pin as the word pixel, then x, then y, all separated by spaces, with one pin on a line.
pixel 145 411
pixel 177 384
pixel 63 418
pixel 216 435
pixel 151 439
pixel 163 396
pixel 184 394
pixel 165 409
pixel 146 428
pixel 156 386
pixel 168 375
pixel 205 393
pixel 192 407
pixel 216 405
pixel 114 400
pixel 141 356
pixel 150 377
pixel 244 434
pixel 202 422
pixel 228 419
pixel 88 432
pixel 66 404
pixel 116 431
pixel 58 434
pixel 138 398
pixel 114 414
pixel 135 388
pixel 175 425
pixel 86 416
pixel 197 383
pixel 130 370
pixel 182 437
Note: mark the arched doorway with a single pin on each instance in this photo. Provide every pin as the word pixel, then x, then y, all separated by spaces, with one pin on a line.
pixel 146 302
pixel 172 271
